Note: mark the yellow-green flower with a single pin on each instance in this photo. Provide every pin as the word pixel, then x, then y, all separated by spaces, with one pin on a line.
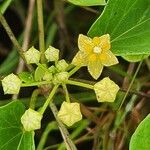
pixel 70 113
pixel 94 53
pixel 11 84
pixel 106 90
pixel 31 120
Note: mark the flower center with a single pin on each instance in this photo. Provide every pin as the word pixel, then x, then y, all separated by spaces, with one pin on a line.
pixel 97 50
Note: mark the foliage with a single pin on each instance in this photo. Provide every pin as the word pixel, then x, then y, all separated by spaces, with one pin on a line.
pixel 139 139
pixel 122 29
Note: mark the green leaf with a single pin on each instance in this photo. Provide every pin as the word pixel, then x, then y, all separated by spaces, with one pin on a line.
pixel 134 58
pixel 88 2
pixel 140 139
pixel 12 135
pixel 5 5
pixel 128 23
pixel 26 77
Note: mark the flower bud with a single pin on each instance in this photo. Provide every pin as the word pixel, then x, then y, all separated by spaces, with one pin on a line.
pixel 31 120
pixel 47 76
pixel 11 84
pixel 52 69
pixel 106 90
pixel 70 113
pixel 61 65
pixel 32 56
pixel 52 54
pixel 60 77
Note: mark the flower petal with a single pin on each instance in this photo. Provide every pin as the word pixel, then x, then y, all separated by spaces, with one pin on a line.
pixel 85 43
pixel 108 59
pixel 105 42
pixel 95 68
pixel 79 59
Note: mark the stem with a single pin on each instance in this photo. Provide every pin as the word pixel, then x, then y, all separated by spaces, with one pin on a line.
pixel 34 96
pixel 41 29
pixel 74 70
pixel 11 35
pixel 42 110
pixel 35 83
pixel 51 126
pixel 66 92
pixel 128 90
pixel 71 82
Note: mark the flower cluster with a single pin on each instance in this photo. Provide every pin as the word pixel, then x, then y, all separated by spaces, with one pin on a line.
pixel 93 53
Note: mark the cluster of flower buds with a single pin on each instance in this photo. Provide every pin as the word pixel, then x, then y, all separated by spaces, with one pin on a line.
pixel 93 53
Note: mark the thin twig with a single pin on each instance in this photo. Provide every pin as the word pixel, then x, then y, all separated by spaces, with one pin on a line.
pixel 41 29
pixel 13 38
pixel 27 32
pixel 135 74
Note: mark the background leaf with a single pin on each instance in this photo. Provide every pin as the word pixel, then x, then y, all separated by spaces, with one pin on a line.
pixel 128 23
pixel 134 58
pixel 12 135
pixel 88 2
pixel 140 139
pixel 4 5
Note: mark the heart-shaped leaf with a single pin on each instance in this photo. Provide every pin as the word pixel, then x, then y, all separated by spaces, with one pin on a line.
pixel 128 23
pixel 88 2
pixel 12 134
pixel 140 140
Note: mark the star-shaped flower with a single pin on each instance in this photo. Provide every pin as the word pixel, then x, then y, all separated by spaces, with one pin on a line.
pixel 94 53
pixel 69 113
pixel 106 90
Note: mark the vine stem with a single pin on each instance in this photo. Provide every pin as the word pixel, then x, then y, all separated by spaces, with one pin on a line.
pixel 51 126
pixel 41 29
pixel 46 104
pixel 85 85
pixel 128 90
pixel 13 39
pixel 34 96
pixel 66 92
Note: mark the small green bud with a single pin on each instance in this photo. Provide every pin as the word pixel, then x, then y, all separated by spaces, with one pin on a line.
pixel 106 90
pixel 11 84
pixel 60 77
pixel 47 76
pixel 70 113
pixel 52 54
pixel 52 69
pixel 32 56
pixel 61 65
pixel 31 120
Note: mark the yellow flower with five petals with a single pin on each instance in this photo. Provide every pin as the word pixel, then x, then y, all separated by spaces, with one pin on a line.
pixel 94 53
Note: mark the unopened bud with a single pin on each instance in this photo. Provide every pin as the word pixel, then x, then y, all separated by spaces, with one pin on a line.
pixel 11 84
pixel 52 54
pixel 70 113
pixel 106 90
pixel 62 65
pixel 47 76
pixel 32 56
pixel 31 120
pixel 60 77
